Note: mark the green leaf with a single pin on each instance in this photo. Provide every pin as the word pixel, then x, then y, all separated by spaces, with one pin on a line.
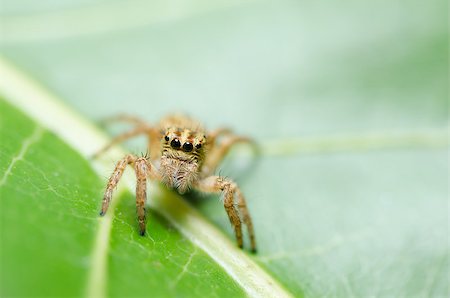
pixel 50 229
pixel 114 236
pixel 349 102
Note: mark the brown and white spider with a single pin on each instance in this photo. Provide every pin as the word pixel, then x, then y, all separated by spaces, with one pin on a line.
pixel 183 156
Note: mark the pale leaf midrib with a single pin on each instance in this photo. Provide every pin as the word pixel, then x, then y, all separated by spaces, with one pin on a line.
pixel 431 138
pixel 85 138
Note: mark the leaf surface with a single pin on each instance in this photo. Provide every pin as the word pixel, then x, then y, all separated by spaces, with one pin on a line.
pixel 349 103
pixel 49 211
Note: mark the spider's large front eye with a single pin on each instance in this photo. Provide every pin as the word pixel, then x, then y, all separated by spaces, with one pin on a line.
pixel 188 147
pixel 175 143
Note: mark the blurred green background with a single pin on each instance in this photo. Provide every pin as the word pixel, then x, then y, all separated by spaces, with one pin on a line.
pixel 355 222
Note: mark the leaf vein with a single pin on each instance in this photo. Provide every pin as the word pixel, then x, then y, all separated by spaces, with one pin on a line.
pixel 28 142
pixel 185 268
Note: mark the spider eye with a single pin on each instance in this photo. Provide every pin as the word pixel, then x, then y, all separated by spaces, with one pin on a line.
pixel 166 138
pixel 187 147
pixel 175 143
pixel 198 146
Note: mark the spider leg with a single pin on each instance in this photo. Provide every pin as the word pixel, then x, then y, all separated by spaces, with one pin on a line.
pixel 122 137
pixel 154 143
pixel 242 204
pixel 213 135
pixel 216 184
pixel 142 127
pixel 143 169
pixel 114 180
pixel 219 151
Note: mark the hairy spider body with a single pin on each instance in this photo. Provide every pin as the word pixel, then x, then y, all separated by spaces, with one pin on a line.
pixel 180 166
pixel 183 156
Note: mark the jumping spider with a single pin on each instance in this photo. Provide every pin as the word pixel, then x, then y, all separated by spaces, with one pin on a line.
pixel 183 156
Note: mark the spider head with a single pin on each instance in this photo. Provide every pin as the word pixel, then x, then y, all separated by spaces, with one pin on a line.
pixel 182 157
pixel 184 144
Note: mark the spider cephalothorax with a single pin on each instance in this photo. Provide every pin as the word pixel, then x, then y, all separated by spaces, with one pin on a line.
pixel 182 156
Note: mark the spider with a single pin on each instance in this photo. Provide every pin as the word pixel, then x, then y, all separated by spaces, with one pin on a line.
pixel 183 156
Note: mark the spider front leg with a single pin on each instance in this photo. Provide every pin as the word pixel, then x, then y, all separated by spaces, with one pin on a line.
pixel 219 151
pixel 217 184
pixel 121 138
pixel 143 170
pixel 215 134
pixel 141 128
